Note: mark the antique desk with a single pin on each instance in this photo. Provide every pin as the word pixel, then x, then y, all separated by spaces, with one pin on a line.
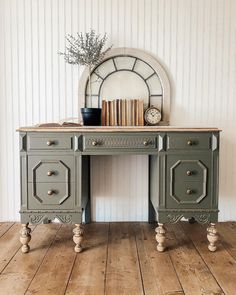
pixel 55 174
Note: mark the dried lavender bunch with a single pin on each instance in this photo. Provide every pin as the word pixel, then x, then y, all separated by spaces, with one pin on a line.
pixel 87 50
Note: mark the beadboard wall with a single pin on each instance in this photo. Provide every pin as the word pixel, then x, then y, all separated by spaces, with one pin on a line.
pixel 195 40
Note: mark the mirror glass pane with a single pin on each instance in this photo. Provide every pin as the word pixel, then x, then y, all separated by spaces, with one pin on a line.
pixel 156 101
pixel 95 84
pixel 124 62
pixel 154 85
pixel 105 68
pixel 124 84
pixel 143 69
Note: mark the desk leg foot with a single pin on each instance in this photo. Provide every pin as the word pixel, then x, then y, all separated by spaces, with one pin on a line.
pixel 78 237
pixel 25 238
pixel 212 237
pixel 160 237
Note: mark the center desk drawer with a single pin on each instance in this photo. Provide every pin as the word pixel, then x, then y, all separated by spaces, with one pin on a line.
pixel 49 141
pixel 188 141
pixel 119 142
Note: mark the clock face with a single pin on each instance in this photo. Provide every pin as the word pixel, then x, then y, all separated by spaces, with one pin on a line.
pixel 152 116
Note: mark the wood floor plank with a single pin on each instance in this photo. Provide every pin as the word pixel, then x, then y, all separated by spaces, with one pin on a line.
pixel 192 271
pixel 122 260
pixel 123 272
pixel 5 227
pixel 18 274
pixel 54 272
pixel 155 263
pixel 227 231
pixel 220 263
pixel 88 274
pixel 9 245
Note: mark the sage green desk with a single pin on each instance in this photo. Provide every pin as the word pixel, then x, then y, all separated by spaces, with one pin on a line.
pixel 55 174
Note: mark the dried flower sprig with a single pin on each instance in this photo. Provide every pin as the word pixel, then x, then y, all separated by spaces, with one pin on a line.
pixel 87 50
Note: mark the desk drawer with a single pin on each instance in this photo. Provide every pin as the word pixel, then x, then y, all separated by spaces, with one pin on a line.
pixel 50 168
pixel 188 170
pixel 188 141
pixel 52 141
pixel 113 142
pixel 51 196
pixel 188 192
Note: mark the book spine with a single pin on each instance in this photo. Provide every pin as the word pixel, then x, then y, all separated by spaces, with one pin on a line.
pixel 114 112
pixel 117 112
pixel 132 112
pixel 103 112
pixel 141 113
pixel 128 112
pixel 136 111
pixel 107 114
pixel 111 113
pixel 123 112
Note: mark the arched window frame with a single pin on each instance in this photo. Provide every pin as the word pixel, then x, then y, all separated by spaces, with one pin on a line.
pixel 149 60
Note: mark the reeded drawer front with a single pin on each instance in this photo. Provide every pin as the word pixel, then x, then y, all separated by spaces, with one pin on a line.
pixel 188 141
pixel 51 169
pixel 52 141
pixel 51 195
pixel 112 142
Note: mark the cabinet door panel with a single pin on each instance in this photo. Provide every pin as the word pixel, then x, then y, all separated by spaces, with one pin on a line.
pixel 193 191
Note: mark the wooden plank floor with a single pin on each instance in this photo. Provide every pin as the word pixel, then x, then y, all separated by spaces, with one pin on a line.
pixel 118 258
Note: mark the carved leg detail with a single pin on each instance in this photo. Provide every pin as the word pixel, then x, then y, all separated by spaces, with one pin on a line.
pixel 160 237
pixel 212 237
pixel 78 237
pixel 25 238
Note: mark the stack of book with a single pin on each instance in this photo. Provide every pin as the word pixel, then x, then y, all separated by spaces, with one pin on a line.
pixel 123 112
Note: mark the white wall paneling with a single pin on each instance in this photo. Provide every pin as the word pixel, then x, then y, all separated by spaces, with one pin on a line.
pixel 194 40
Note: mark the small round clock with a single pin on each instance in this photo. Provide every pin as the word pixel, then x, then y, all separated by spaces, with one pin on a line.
pixel 152 116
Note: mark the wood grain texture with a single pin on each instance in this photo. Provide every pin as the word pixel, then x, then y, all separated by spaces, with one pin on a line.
pixel 193 273
pixel 5 227
pixel 122 260
pixel 55 270
pixel 22 268
pixel 220 263
pixel 228 237
pixel 89 270
pixel 9 245
pixel 122 274
pixel 156 268
pixel 117 129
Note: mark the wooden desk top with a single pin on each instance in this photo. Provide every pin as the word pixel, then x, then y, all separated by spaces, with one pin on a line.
pixel 118 129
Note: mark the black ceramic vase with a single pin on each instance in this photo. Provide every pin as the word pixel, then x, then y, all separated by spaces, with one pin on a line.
pixel 91 116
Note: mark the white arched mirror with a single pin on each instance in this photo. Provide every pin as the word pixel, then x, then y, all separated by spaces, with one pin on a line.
pixel 128 73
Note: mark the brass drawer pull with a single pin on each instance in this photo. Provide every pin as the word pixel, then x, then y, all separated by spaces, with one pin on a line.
pixel 50 142
pixel 146 143
pixel 94 143
pixel 190 142
pixel 189 191
pixel 51 192
pixel 189 173
pixel 50 173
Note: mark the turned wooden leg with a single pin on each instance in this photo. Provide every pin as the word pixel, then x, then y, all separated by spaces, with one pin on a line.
pixel 212 237
pixel 25 238
pixel 78 237
pixel 160 237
